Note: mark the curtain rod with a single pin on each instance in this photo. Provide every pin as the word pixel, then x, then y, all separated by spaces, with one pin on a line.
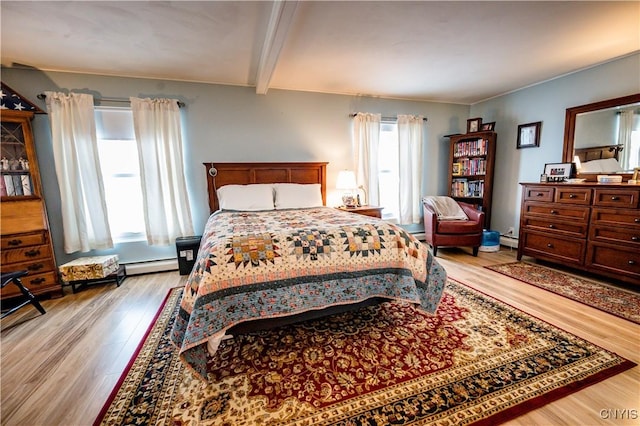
pixel 43 96
pixel 385 118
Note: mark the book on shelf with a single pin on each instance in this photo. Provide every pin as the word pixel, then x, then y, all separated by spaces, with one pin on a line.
pixel 476 147
pixel 16 184
pixel 467 188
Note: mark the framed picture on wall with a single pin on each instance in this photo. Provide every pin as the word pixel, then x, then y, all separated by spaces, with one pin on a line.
pixel 474 125
pixel 529 135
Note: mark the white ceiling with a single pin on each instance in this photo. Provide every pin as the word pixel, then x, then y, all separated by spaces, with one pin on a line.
pixel 459 52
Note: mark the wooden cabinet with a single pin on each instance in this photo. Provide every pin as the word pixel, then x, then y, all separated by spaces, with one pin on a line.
pixel 24 228
pixel 593 227
pixel 471 165
pixel 373 211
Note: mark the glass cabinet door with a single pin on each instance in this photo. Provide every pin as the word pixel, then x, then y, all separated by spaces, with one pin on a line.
pixel 17 157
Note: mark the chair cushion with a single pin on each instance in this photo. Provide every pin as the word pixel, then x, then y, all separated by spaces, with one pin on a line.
pixel 458 227
pixel 446 208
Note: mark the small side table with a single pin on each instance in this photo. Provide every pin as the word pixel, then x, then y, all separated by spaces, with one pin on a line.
pixel 372 211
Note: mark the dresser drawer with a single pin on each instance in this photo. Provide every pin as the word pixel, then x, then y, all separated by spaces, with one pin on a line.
pixel 22 240
pixel 561 248
pixel 575 229
pixel 581 196
pixel 26 254
pixel 609 197
pixel 538 193
pixel 616 217
pixel 614 259
pixel 557 211
pixel 34 267
pixel 37 283
pixel 615 235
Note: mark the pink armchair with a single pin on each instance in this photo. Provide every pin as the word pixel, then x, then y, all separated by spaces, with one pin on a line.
pixel 458 233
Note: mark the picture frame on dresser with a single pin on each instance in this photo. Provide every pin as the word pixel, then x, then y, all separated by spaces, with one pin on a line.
pixel 558 172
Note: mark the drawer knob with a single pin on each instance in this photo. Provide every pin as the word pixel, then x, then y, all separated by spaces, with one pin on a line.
pixel 37 281
pixel 554 212
pixel 35 267
pixel 637 220
pixel 631 262
pixel 15 242
pixel 539 194
pixel 614 198
pixel 32 253
pixel 635 238
pixel 552 226
pixel 572 195
pixel 549 245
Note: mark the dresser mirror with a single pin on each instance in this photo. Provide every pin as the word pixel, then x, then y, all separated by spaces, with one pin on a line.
pixel 604 137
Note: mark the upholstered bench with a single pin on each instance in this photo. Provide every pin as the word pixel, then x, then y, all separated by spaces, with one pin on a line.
pixel 92 270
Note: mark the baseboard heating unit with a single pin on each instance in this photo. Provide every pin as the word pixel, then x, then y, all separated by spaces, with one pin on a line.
pixel 508 241
pixel 152 266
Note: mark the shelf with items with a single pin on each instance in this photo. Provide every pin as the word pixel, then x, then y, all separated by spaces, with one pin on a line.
pixel 471 165
pixel 17 158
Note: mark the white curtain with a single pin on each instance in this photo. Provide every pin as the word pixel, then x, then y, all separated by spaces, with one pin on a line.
pixel 366 137
pixel 164 191
pixel 624 138
pixel 75 152
pixel 410 133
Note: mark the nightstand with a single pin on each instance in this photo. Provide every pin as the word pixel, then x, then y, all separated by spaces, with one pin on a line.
pixel 373 211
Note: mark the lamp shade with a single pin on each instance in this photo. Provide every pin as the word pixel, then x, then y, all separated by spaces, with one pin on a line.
pixel 346 180
pixel 576 160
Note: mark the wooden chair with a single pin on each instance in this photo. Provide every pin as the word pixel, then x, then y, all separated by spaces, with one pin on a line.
pixel 14 278
pixel 456 233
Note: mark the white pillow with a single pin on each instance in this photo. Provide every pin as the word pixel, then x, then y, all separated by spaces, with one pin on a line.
pixel 252 197
pixel 606 165
pixel 298 196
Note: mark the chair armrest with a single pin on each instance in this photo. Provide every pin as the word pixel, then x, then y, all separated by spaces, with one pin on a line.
pixel 472 213
pixel 430 219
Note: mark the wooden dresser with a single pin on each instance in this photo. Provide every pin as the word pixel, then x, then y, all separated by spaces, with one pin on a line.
pixel 589 226
pixel 24 228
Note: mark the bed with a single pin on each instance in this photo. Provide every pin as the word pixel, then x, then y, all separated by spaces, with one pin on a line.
pixel 598 152
pixel 262 265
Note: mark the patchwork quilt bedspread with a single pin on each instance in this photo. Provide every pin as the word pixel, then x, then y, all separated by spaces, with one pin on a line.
pixel 256 265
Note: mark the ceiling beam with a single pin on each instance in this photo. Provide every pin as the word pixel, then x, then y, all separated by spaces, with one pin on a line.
pixel 279 23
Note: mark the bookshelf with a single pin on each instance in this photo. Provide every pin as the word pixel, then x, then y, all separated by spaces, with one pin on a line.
pixel 471 164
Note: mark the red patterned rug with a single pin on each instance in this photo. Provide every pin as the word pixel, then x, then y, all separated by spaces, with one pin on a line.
pixel 614 300
pixel 476 361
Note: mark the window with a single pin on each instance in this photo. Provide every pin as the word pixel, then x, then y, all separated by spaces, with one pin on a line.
pixel 121 173
pixel 388 172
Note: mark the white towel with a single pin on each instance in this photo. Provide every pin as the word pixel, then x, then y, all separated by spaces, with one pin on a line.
pixel 446 207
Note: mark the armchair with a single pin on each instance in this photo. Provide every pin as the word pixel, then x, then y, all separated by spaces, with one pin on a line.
pixel 440 230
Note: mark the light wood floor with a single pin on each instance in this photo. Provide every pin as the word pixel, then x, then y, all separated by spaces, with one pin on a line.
pixel 59 368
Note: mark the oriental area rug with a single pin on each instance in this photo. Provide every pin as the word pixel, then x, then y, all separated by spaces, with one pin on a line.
pixel 475 361
pixel 614 300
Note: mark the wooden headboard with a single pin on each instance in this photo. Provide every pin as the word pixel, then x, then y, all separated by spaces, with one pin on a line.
pixel 598 152
pixel 246 173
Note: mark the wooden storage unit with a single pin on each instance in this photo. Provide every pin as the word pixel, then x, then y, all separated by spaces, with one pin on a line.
pixel 24 228
pixel 471 164
pixel 593 227
pixel 372 211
